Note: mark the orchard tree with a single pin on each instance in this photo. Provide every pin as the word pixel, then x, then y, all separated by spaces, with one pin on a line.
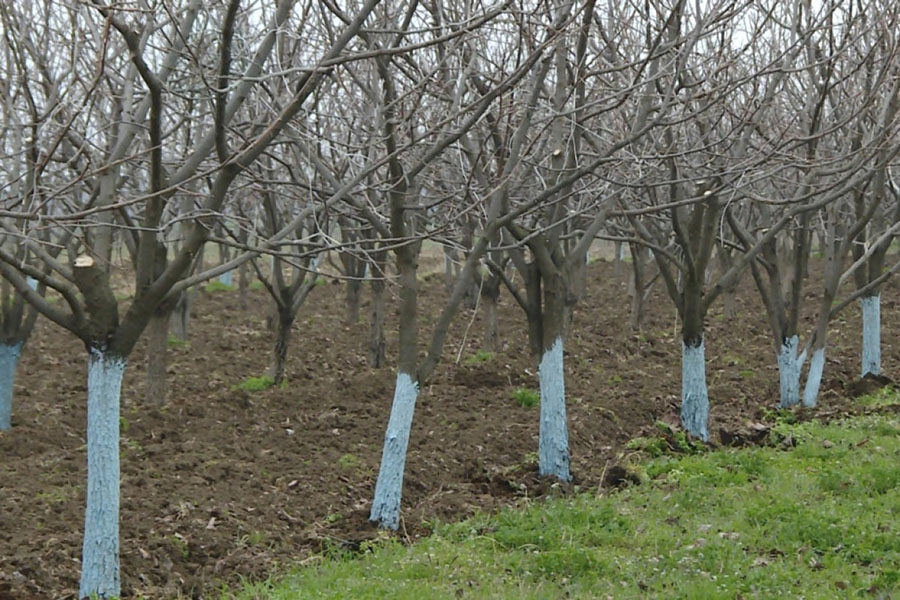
pixel 90 309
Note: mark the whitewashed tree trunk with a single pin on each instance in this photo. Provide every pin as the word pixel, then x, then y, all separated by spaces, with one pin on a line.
pixel 694 393
pixel 789 367
pixel 100 554
pixel 389 486
pixel 9 361
pixel 871 334
pixel 814 378
pixel 553 445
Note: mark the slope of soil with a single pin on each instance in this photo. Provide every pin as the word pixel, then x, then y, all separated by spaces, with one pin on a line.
pixel 223 484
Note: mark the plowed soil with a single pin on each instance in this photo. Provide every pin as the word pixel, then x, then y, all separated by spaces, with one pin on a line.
pixel 223 484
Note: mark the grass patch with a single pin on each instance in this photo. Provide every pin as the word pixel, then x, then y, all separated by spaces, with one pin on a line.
pixel 482 356
pixel 526 397
pixel 217 286
pixel 883 397
pixel 817 521
pixel 349 462
pixel 174 342
pixel 255 384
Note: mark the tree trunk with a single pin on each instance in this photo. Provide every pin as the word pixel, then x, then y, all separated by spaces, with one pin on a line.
pixel 553 444
pixel 181 316
pixel 376 329
pixel 282 339
pixel 9 360
pixel 352 299
pixel 226 278
pixel 156 390
pixel 100 553
pixel 814 377
pixel 619 261
pixel 789 367
pixel 451 266
pixel 389 486
pixel 871 334
pixel 638 270
pixel 490 294
pixel 243 285
pixel 694 394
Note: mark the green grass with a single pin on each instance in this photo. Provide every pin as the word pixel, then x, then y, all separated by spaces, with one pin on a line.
pixel 817 521
pixel 174 342
pixel 217 286
pixel 482 356
pixel 255 384
pixel 526 397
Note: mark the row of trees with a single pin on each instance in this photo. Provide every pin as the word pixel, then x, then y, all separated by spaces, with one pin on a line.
pixel 515 134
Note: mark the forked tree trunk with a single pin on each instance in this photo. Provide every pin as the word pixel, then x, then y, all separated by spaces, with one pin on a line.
pixel 9 361
pixel 156 389
pixel 100 553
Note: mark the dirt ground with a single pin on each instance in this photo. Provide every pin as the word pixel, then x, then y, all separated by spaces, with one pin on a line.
pixel 224 484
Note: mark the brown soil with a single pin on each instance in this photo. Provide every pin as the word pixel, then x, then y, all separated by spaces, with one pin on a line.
pixel 224 484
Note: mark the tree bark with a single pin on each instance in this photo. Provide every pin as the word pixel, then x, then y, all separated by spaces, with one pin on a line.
pixel 243 285
pixel 871 335
pixel 694 394
pixel 353 288
pixel 790 365
pixel 100 554
pixel 376 329
pixel 638 270
pixel 156 390
pixel 9 361
pixel 389 485
pixel 553 442
pixel 180 317
pixel 280 347
pixel 490 295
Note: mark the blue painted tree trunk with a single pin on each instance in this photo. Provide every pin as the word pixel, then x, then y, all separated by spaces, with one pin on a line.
pixel 9 360
pixel 226 278
pixel 100 553
pixel 814 378
pixel 871 342
pixel 389 486
pixel 789 367
pixel 553 444
pixel 694 394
